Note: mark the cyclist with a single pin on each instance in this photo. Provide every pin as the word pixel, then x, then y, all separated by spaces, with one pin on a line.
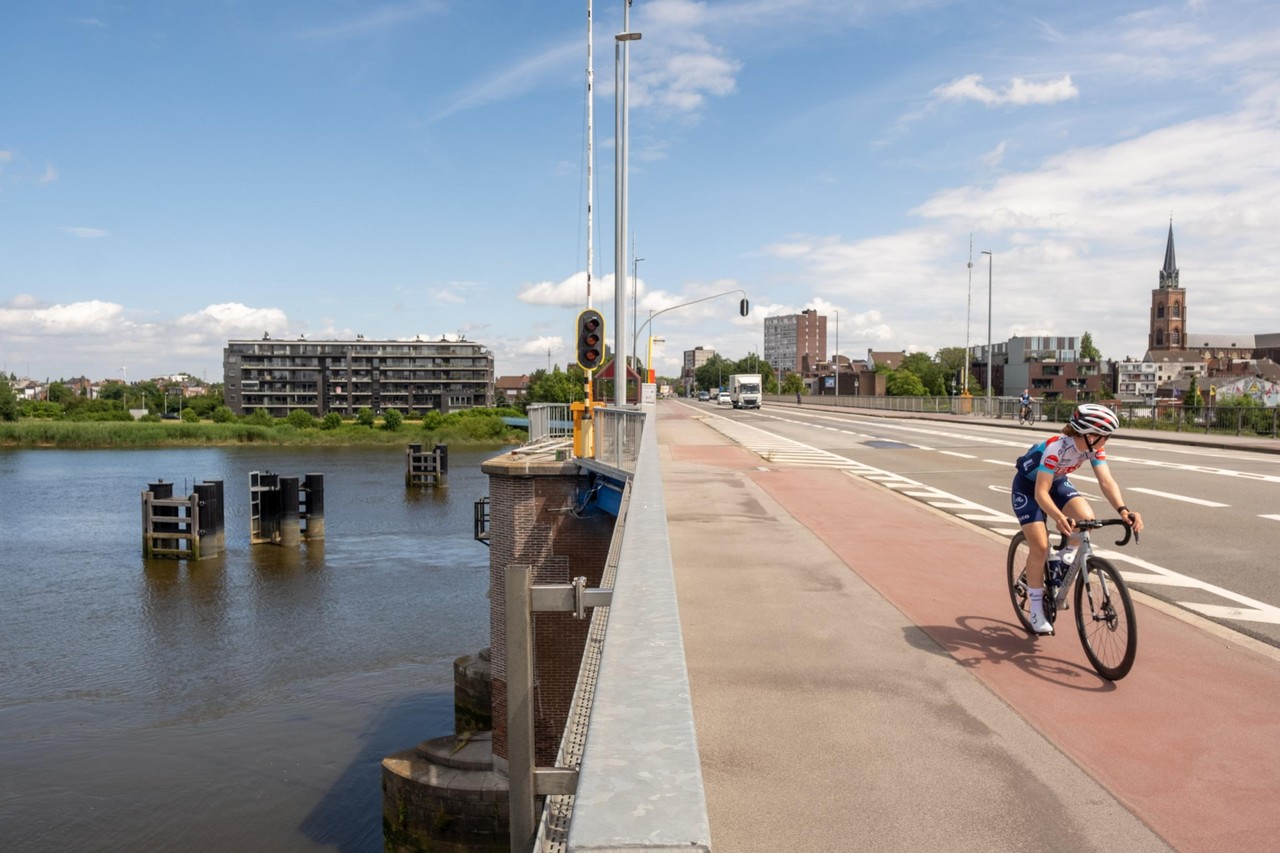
pixel 1041 491
pixel 1024 405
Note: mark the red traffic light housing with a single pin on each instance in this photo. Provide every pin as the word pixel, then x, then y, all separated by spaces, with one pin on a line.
pixel 590 339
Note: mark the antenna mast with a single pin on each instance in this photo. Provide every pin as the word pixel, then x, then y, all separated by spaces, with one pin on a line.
pixel 590 151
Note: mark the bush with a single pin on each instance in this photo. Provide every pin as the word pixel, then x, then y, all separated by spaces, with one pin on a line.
pixel 332 420
pixel 260 417
pixel 392 419
pixel 365 417
pixel 190 416
pixel 432 420
pixel 223 415
pixel 301 419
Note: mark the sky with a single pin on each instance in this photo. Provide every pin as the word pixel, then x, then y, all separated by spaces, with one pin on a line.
pixel 175 174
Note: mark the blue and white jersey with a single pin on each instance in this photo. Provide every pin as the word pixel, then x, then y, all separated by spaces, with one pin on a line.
pixel 1058 456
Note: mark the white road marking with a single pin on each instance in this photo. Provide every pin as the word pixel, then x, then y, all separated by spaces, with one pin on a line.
pixel 1183 498
pixel 1270 517
pixel 776 448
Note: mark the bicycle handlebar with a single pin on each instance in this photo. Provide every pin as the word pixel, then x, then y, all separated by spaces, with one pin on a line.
pixel 1095 524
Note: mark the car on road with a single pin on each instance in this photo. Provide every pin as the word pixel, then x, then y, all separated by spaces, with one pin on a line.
pixel 724 398
pixel 704 396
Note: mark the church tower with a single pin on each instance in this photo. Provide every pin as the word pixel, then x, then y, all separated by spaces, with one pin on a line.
pixel 1168 307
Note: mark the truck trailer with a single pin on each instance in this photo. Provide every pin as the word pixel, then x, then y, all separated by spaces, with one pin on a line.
pixel 745 390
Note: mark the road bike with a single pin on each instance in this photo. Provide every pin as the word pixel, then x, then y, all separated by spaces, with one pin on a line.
pixel 1104 610
pixel 1026 415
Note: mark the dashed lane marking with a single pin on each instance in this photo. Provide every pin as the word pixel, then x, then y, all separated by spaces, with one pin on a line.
pixel 778 449
pixel 1173 497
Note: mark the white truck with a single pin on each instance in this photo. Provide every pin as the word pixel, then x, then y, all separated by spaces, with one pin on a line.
pixel 745 390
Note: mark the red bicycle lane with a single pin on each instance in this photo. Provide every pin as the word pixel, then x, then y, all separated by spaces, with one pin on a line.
pixel 1189 741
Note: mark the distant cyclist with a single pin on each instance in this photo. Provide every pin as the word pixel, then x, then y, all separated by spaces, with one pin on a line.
pixel 1042 491
pixel 1024 405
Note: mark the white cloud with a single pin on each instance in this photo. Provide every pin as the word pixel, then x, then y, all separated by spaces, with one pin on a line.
pixel 515 80
pixel 375 21
pixel 1019 92
pixel 25 317
pixel 569 293
pixel 50 174
pixel 995 156
pixel 84 233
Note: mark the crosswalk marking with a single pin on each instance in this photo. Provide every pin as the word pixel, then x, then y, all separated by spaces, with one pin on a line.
pixel 777 449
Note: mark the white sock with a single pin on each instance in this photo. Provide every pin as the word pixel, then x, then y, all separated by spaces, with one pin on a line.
pixel 1035 598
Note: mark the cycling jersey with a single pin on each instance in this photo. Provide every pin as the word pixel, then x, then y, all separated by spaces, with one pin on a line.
pixel 1059 457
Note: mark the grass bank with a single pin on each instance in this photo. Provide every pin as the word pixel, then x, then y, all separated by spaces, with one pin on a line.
pixel 37 433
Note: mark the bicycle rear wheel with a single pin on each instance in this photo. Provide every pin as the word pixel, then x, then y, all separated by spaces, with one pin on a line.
pixel 1105 619
pixel 1016 571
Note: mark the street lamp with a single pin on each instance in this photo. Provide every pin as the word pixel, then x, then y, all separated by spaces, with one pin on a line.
pixel 635 286
pixel 990 262
pixel 837 310
pixel 621 53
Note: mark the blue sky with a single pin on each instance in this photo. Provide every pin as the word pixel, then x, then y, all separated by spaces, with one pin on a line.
pixel 174 174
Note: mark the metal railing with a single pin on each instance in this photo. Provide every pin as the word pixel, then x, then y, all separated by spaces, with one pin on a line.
pixel 1263 421
pixel 618 434
pixel 549 422
pixel 634 781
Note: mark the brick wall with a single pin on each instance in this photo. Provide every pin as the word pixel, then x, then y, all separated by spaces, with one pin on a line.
pixel 530 523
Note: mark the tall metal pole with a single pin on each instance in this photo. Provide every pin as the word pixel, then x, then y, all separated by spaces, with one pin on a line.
pixel 837 310
pixel 990 354
pixel 635 286
pixel 591 76
pixel 621 52
pixel 968 313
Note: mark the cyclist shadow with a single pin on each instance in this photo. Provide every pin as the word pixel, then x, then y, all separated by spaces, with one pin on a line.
pixel 975 640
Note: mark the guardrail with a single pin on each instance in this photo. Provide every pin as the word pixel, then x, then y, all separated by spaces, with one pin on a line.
pixel 1162 415
pixel 629 775
pixel 549 422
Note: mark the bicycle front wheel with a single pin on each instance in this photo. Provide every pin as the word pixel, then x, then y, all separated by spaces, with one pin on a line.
pixel 1105 619
pixel 1018 579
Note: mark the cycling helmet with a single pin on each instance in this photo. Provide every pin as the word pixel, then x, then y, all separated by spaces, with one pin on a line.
pixel 1093 419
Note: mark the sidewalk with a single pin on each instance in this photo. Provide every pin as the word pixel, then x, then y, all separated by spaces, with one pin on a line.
pixel 859 682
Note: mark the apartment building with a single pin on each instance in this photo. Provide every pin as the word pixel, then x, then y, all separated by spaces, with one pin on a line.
pixel 792 339
pixel 346 376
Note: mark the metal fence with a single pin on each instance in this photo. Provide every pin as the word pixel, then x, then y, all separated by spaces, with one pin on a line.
pixel 617 437
pixel 549 422
pixel 1162 415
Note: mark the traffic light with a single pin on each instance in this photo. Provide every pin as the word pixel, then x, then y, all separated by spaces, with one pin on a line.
pixel 744 307
pixel 590 339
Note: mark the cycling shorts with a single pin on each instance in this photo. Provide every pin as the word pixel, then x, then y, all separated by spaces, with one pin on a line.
pixel 1024 497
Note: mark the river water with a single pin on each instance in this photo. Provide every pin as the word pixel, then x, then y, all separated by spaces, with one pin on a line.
pixel 236 703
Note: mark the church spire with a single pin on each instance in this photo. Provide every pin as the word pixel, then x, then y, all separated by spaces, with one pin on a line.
pixel 1169 274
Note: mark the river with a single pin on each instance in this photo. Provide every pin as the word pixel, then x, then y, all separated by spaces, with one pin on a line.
pixel 236 703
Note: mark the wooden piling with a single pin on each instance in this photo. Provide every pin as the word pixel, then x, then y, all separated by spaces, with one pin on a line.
pixel 290 532
pixel 313 518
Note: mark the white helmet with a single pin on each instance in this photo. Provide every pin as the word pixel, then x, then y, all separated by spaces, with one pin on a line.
pixel 1093 419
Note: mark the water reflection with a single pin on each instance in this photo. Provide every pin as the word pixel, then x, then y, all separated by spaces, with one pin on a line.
pixel 221 698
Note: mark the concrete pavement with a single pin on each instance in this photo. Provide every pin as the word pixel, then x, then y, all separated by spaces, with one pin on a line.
pixel 859 682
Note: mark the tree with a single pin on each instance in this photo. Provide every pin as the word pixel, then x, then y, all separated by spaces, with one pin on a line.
pixel 1191 400
pixel 927 371
pixel 59 393
pixel 904 383
pixel 558 386
pixel 1088 352
pixel 392 420
pixel 792 383
pixel 8 401
pixel 223 415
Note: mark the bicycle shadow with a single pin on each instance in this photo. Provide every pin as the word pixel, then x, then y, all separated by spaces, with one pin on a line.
pixel 975 640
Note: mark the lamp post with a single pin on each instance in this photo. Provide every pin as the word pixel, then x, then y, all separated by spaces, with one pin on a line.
pixel 837 310
pixel 635 286
pixel 990 262
pixel 621 52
